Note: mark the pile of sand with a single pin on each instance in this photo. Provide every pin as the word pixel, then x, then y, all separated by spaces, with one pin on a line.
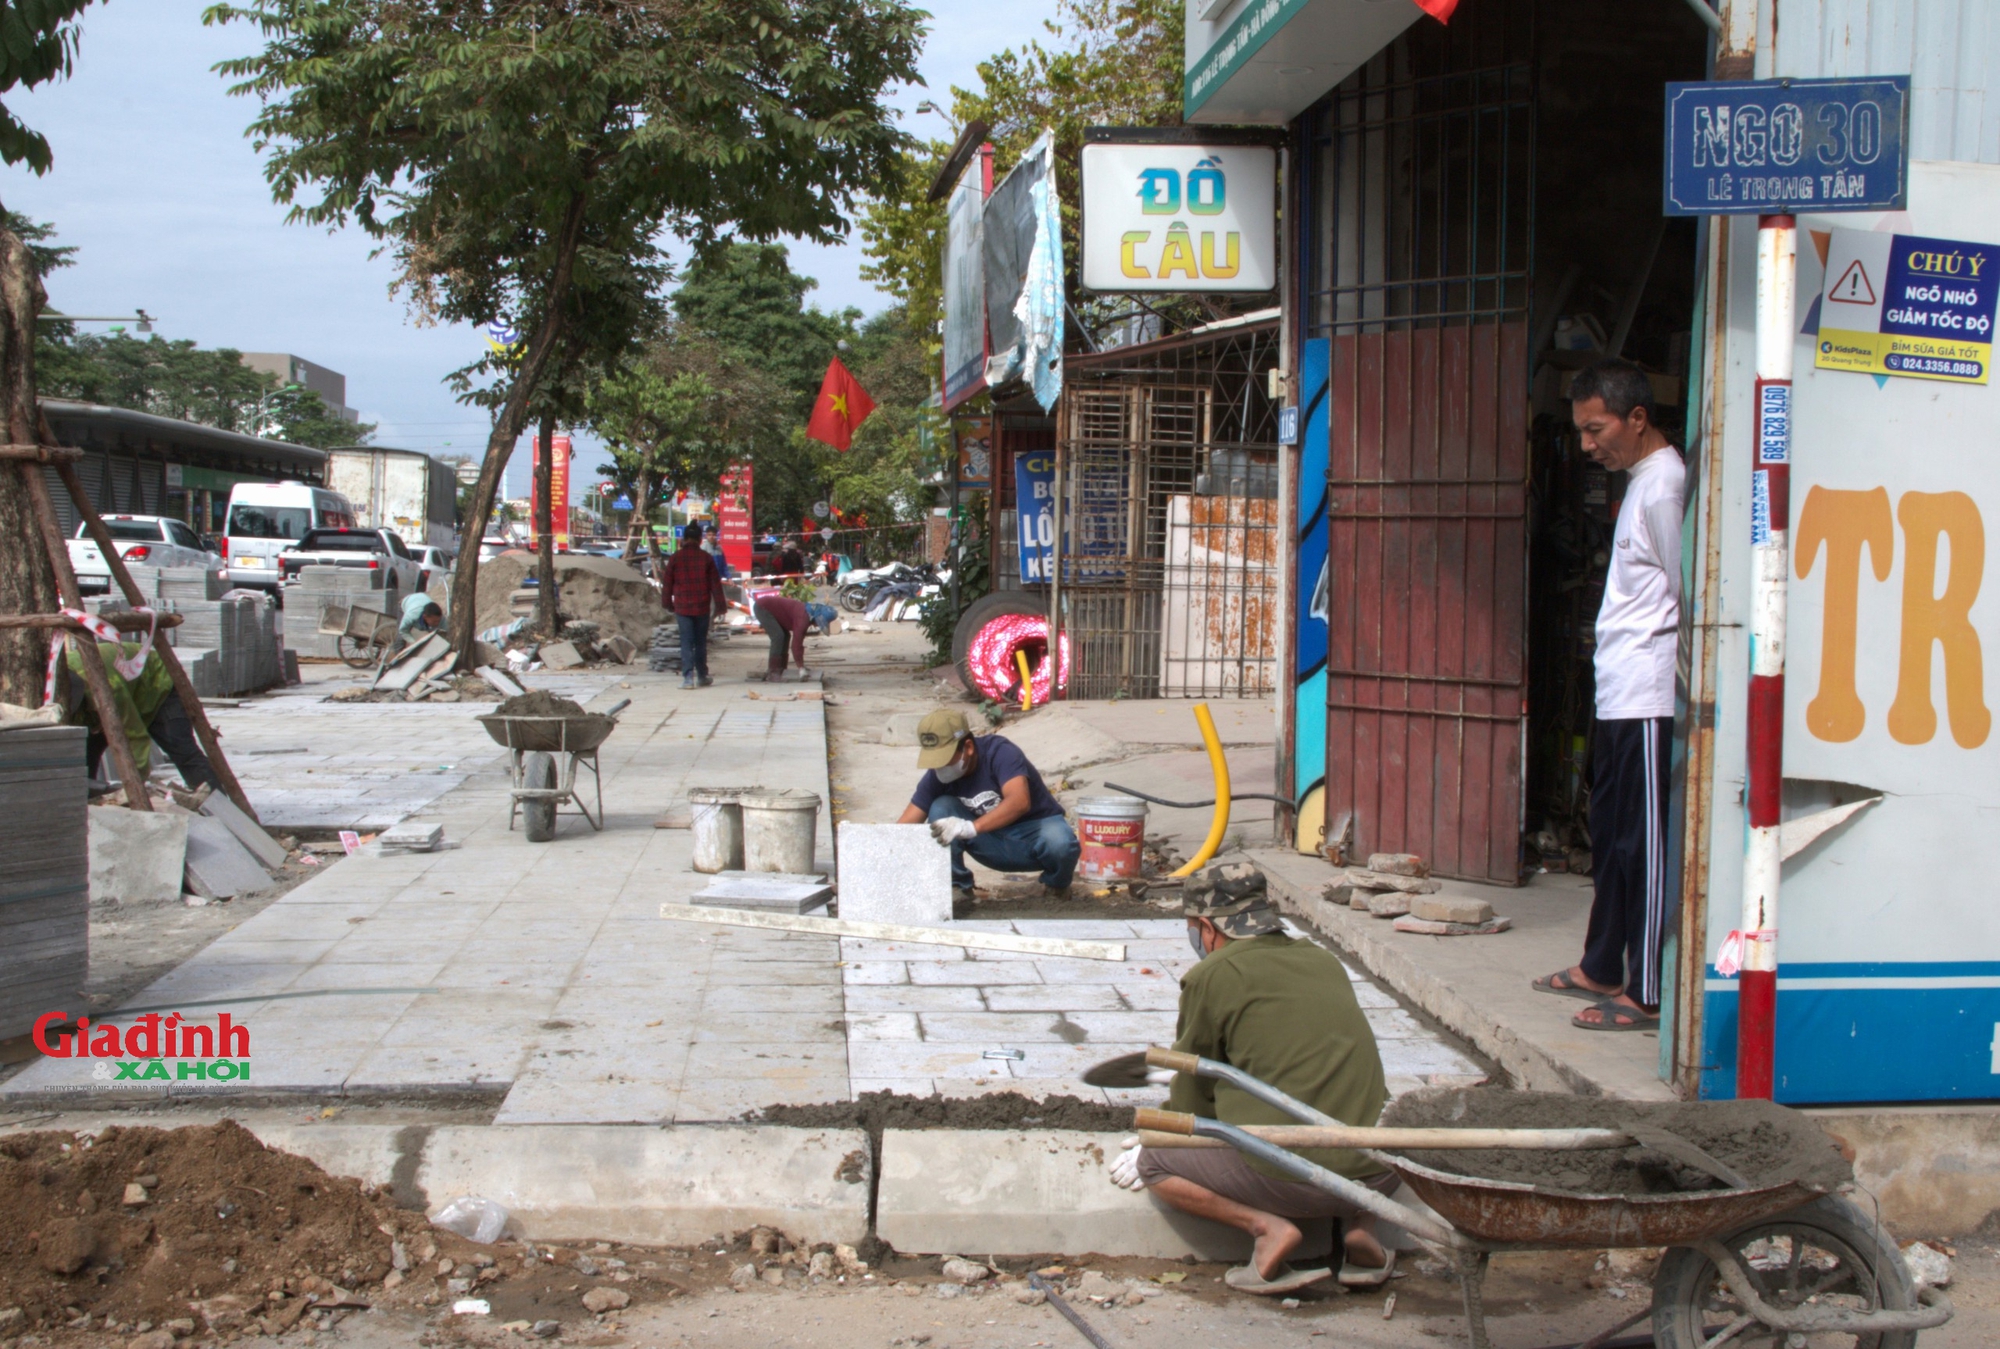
pixel 222 1220
pixel 598 590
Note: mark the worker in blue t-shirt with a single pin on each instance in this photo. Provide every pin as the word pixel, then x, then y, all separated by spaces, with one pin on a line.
pixel 983 797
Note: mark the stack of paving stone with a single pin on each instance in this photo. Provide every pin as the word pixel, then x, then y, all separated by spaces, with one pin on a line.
pixel 318 587
pixel 228 645
pixel 44 874
pixel 665 652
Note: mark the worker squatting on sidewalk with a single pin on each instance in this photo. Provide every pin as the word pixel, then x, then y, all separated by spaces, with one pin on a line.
pixel 984 799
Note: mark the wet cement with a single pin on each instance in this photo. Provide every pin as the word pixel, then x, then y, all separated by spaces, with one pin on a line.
pixel 1766 1142
pixel 879 1110
pixel 540 703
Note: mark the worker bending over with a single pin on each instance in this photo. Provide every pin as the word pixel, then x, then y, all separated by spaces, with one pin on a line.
pixel 983 798
pixel 1284 1012
pixel 786 621
pixel 148 706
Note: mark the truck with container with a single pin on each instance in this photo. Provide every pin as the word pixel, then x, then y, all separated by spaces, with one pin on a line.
pixel 403 490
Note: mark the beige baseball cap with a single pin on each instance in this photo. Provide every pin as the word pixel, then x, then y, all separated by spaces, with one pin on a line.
pixel 938 737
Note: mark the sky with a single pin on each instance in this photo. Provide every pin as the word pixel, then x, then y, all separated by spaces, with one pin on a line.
pixel 156 185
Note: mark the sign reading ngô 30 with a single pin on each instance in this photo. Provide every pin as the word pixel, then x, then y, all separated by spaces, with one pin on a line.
pixel 1774 147
pixel 1172 217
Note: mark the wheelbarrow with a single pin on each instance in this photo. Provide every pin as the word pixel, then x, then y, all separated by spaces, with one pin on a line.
pixel 1781 1265
pixel 539 788
pixel 362 636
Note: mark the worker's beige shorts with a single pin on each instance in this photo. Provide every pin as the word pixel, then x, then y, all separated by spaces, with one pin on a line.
pixel 1223 1171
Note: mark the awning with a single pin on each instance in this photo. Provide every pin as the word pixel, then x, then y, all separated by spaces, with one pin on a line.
pixel 1263 62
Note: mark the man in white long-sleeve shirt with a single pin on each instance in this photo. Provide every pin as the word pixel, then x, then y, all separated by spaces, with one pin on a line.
pixel 1638 634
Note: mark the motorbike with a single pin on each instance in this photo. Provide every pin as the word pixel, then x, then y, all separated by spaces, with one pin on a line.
pixel 859 589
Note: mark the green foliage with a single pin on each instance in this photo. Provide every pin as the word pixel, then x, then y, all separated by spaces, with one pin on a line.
pixel 1110 63
pixel 36 236
pixel 37 44
pixel 211 386
pixel 888 472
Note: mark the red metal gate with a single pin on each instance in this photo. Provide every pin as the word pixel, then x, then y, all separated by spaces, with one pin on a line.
pixel 1422 185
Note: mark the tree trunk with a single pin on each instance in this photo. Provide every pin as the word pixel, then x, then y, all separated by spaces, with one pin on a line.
pixel 507 429
pixel 548 620
pixel 649 491
pixel 27 582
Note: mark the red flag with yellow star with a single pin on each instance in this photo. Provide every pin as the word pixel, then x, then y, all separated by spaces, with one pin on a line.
pixel 841 408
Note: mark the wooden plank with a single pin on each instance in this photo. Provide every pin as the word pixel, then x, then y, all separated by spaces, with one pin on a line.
pixel 1061 947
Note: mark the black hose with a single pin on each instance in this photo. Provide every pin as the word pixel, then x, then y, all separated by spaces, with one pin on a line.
pixel 1197 805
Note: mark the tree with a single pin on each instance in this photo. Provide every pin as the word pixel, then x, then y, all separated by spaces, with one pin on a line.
pixel 521 157
pixel 298 416
pixel 37 45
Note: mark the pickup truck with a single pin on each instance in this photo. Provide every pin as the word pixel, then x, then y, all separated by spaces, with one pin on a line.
pixel 143 541
pixel 375 549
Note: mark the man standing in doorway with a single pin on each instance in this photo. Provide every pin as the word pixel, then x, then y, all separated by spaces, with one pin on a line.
pixel 692 588
pixel 1638 638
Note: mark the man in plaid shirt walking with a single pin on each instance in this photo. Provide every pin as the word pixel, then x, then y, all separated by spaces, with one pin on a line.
pixel 692 588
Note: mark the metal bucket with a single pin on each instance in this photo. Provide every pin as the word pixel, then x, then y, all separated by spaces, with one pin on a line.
pixel 718 828
pixel 778 829
pixel 1112 832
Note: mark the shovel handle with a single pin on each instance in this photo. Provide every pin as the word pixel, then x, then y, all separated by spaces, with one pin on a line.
pixel 1172 1059
pixel 1163 1121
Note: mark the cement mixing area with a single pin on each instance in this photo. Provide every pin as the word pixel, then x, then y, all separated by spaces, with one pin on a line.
pixel 470 1057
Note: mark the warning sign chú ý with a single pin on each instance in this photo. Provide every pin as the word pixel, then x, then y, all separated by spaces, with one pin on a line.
pixel 1899 304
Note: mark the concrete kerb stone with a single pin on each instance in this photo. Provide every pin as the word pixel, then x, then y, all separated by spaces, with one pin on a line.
pixel 1025 1192
pixel 136 856
pixel 675 1186
pixel 893 873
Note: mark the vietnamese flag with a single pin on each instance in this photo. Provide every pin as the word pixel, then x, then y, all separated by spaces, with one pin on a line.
pixel 1438 9
pixel 841 407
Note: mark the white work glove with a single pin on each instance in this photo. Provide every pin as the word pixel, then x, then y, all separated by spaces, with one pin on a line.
pixel 1125 1170
pixel 952 829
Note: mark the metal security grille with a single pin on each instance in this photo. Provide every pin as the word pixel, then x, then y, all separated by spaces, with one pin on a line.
pixel 1168 478
pixel 1421 198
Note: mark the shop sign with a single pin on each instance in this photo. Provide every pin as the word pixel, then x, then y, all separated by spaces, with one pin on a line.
pixel 1034 509
pixel 1900 304
pixel 1179 217
pixel 1786 146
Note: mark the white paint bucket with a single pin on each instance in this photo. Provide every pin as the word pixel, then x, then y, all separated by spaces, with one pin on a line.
pixel 718 828
pixel 778 829
pixel 1112 832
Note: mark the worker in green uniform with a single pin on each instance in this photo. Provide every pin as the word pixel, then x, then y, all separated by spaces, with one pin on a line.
pixel 1284 1012
pixel 148 707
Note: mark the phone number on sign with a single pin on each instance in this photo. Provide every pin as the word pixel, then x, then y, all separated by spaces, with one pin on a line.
pixel 1933 365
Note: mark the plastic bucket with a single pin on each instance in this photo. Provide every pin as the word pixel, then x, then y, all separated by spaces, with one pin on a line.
pixel 1112 831
pixel 778 829
pixel 718 828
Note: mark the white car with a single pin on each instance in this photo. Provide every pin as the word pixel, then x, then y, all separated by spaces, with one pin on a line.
pixel 434 562
pixel 143 541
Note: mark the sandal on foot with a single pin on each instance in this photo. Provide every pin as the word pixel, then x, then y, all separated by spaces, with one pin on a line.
pixel 1560 984
pixel 1367 1276
pixel 1246 1279
pixel 1613 1015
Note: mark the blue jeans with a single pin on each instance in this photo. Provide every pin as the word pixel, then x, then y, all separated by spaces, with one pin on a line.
pixel 1047 845
pixel 694 644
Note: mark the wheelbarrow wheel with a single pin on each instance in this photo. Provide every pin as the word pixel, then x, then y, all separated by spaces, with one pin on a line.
pixel 359 652
pixel 538 814
pixel 1827 1250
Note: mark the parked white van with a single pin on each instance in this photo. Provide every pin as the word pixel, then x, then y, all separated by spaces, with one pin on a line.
pixel 265 518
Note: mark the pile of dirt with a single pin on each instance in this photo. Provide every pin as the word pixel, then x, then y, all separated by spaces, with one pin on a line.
pixel 598 590
pixel 138 1224
pixel 1766 1142
pixel 879 1110
pixel 540 703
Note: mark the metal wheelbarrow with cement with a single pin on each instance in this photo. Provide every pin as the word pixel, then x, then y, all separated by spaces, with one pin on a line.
pixel 538 787
pixel 1788 1266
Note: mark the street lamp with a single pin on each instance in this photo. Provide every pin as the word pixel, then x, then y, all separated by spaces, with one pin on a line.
pixel 142 318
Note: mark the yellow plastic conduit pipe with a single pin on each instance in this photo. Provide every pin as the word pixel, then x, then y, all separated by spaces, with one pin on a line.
pixel 1218 765
pixel 1027 681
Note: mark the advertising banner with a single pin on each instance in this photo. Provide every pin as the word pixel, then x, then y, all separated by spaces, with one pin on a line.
pixel 965 287
pixel 733 504
pixel 1180 218
pixel 558 491
pixel 1034 497
pixel 975 452
pixel 1899 304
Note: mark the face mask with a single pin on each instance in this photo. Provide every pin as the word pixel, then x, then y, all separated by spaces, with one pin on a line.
pixel 1194 940
pixel 951 772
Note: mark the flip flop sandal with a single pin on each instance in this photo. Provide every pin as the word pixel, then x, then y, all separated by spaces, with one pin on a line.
pixel 1615 1016
pixel 1365 1276
pixel 1559 984
pixel 1246 1279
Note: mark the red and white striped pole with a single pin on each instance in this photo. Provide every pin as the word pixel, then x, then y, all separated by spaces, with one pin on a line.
pixel 1757 985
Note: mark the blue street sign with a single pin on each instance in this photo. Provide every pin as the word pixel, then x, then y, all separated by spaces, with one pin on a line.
pixel 1782 147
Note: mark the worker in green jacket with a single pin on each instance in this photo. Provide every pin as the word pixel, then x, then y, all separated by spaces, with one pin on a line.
pixel 149 712
pixel 1283 1011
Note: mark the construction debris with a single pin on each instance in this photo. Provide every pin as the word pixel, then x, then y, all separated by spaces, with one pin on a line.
pixel 1429 928
pixel 1451 909
pixel 599 590
pixel 218 865
pixel 411 836
pixel 1398 864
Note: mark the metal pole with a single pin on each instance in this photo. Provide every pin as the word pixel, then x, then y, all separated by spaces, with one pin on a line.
pixel 1757 984
pixel 1056 488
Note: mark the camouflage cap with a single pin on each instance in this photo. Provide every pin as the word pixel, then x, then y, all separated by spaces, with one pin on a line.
pixel 1232 896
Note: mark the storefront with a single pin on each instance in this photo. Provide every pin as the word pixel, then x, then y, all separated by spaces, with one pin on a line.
pixel 1473 211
